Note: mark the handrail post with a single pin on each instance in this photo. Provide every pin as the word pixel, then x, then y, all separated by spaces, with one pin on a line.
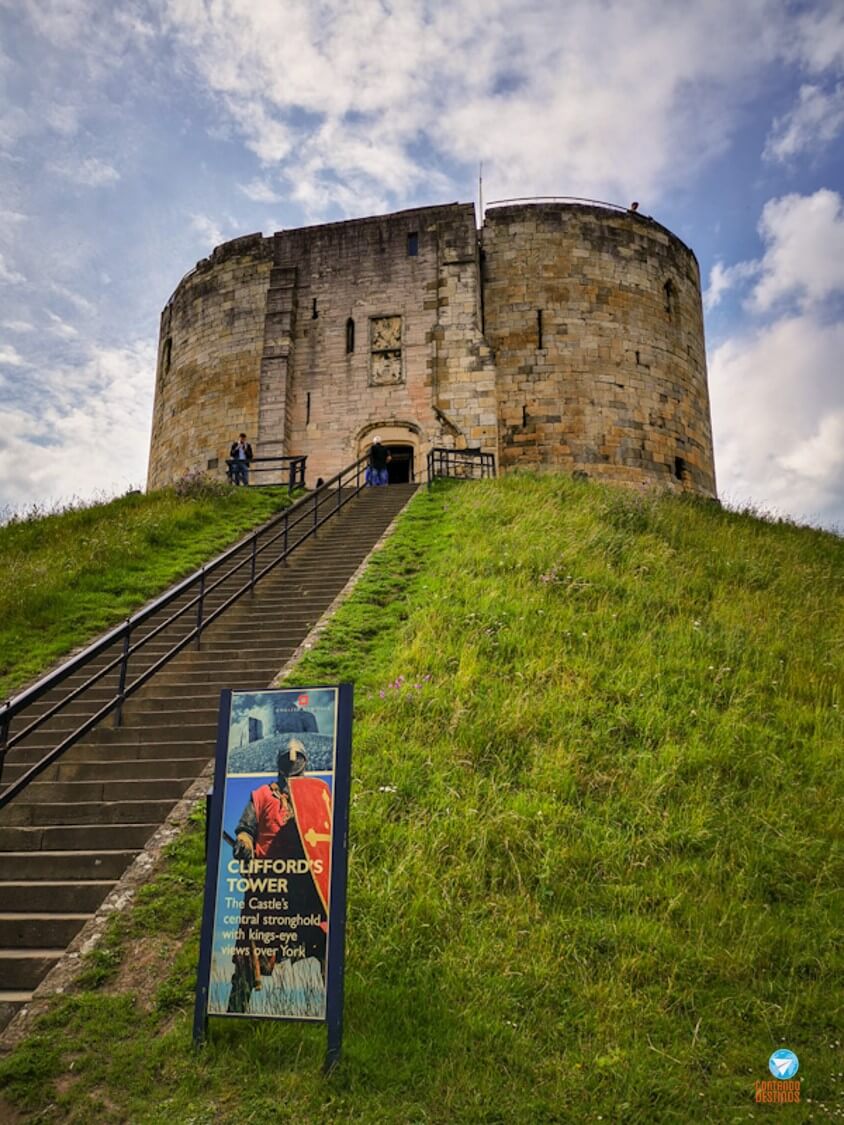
pixel 199 606
pixel 121 682
pixel 286 531
pixel 254 562
pixel 4 736
pixel 291 476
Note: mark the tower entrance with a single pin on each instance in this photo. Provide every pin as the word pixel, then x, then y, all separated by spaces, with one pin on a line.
pixel 402 440
pixel 400 465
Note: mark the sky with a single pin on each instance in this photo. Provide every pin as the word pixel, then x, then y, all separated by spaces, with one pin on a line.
pixel 135 136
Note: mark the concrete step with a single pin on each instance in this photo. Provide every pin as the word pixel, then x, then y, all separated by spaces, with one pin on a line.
pixel 23 812
pixel 49 866
pixel 123 744
pixel 100 769
pixel 154 732
pixel 34 931
pixel 59 837
pixel 24 968
pixel 58 896
pixel 73 793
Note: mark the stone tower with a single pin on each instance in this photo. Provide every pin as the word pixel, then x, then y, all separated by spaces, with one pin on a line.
pixel 561 335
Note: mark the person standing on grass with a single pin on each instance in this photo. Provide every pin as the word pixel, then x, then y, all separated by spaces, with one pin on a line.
pixel 240 455
pixel 379 458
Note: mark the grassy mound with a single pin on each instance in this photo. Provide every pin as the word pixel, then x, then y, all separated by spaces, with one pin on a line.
pixel 592 870
pixel 67 576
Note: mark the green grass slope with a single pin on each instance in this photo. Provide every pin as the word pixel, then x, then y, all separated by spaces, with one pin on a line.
pixel 593 867
pixel 66 577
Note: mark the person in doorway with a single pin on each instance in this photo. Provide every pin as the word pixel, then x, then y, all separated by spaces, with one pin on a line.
pixel 240 455
pixel 379 458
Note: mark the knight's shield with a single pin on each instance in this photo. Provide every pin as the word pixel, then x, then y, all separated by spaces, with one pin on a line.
pixel 311 799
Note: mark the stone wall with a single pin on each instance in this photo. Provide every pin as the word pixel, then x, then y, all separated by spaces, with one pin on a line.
pixel 573 341
pixel 383 316
pixel 209 361
pixel 595 321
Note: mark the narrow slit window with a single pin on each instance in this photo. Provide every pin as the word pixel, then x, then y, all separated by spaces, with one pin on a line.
pixel 314 310
pixel 166 355
pixel 308 408
pixel 668 290
pixel 524 416
pixel 539 328
pixel 350 336
pixel 413 244
pixel 679 468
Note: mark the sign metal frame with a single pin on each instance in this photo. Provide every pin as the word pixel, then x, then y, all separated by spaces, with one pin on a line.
pixel 336 914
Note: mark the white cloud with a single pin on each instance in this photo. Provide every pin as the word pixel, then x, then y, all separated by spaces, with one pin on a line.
pixel 63 119
pixel 270 139
pixel 624 99
pixel 723 278
pixel 804 253
pixel 11 357
pixel 61 328
pixel 14 124
pixel 8 275
pixel 817 119
pixel 18 326
pixel 803 259
pixel 208 230
pixel 777 392
pixel 80 303
pixel 89 433
pixel 819 40
pixel 89 171
pixel 777 409
pixel 821 456
pixel 259 191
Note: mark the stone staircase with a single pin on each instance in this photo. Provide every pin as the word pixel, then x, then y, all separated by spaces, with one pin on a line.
pixel 69 836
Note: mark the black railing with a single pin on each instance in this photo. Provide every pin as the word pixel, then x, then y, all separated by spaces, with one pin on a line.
pixel 556 199
pixel 246 563
pixel 460 464
pixel 286 470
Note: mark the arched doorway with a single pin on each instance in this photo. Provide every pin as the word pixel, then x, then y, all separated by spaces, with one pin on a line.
pixel 405 444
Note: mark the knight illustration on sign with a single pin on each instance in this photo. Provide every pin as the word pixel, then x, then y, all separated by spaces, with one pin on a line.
pixel 283 845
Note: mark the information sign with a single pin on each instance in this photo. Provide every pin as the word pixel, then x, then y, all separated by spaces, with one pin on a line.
pixel 272 944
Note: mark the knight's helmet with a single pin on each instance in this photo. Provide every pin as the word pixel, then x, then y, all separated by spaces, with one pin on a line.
pixel 292 760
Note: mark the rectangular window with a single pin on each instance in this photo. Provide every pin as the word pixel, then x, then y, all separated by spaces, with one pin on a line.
pixel 412 244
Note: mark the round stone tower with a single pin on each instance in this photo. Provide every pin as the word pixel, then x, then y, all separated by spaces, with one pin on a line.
pixel 595 320
pixel 568 336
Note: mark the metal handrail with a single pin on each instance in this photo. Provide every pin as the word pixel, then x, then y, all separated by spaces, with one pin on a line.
pixel 295 467
pixel 309 513
pixel 460 464
pixel 555 199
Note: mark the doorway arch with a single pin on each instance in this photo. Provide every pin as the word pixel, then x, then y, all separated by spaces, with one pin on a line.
pixel 403 440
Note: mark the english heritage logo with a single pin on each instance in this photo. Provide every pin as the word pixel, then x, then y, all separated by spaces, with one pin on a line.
pixel 783 1065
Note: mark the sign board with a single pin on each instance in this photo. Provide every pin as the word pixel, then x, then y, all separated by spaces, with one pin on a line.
pixel 272 944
